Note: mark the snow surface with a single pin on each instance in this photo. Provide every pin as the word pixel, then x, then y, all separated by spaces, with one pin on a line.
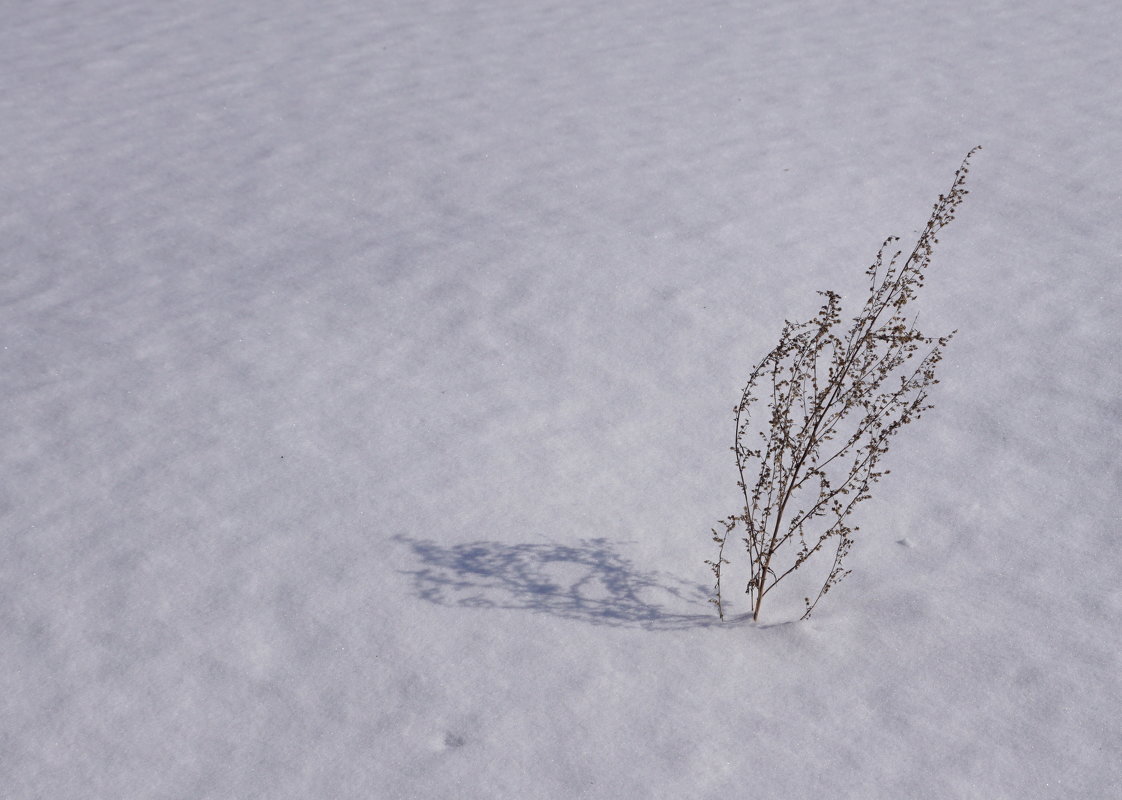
pixel 367 372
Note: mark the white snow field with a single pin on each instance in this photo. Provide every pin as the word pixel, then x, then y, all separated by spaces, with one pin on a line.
pixel 367 370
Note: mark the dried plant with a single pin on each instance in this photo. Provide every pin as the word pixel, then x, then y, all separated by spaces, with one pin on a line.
pixel 834 400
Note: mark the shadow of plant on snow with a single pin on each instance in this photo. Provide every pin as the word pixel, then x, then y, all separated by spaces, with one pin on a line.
pixel 586 581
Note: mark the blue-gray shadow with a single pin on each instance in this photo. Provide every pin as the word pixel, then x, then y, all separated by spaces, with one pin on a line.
pixel 587 581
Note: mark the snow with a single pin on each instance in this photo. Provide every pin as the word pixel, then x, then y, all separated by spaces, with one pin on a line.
pixel 367 376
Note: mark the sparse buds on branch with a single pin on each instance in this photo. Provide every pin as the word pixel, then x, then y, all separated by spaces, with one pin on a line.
pixel 834 398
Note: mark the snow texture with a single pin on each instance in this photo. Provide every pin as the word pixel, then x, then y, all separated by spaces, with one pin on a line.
pixel 367 373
